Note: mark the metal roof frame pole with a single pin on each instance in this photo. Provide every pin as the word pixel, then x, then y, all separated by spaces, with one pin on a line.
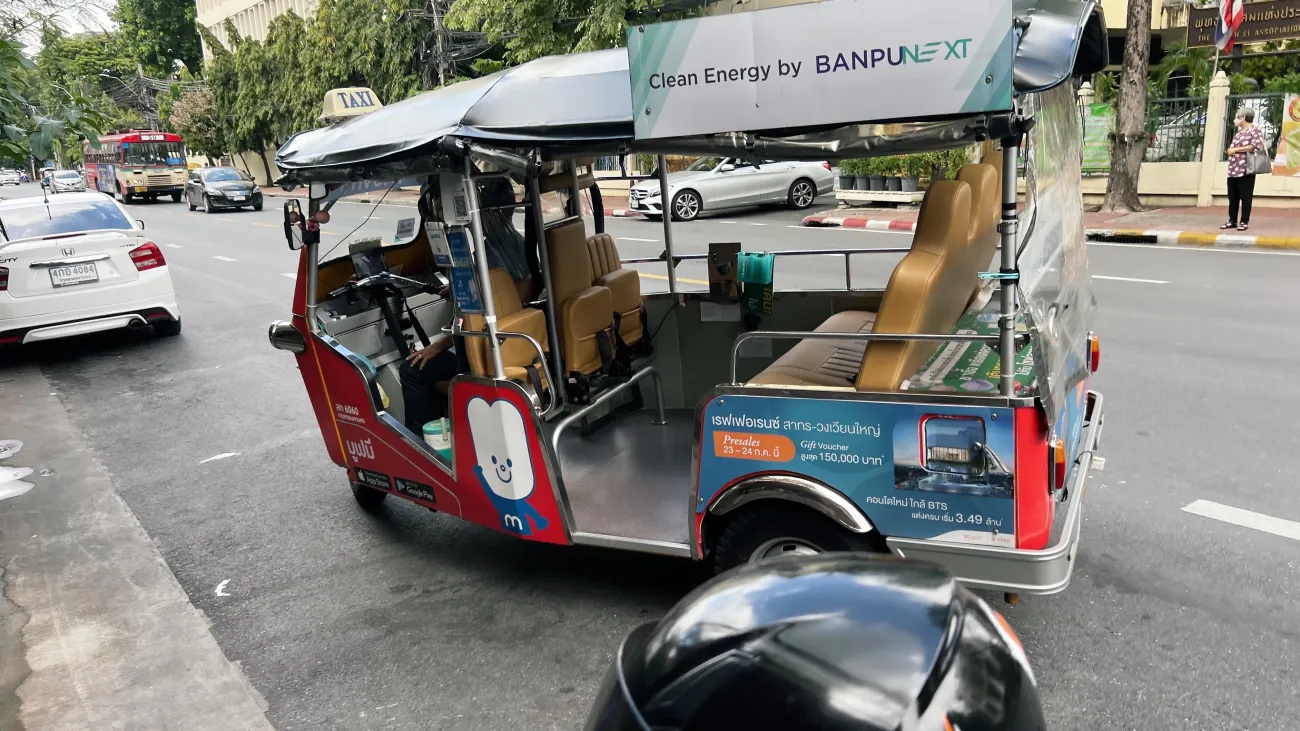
pixel 481 267
pixel 665 205
pixel 552 325
pixel 1009 279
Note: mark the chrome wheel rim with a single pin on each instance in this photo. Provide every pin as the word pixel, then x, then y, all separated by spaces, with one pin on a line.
pixel 687 206
pixel 803 195
pixel 784 546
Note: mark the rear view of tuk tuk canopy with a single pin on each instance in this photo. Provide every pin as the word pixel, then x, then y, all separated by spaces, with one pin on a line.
pixel 586 97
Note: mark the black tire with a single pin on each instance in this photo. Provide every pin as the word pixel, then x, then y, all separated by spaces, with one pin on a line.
pixel 257 206
pixel 368 497
pixel 682 207
pixel 207 204
pixel 801 195
pixel 167 328
pixel 190 203
pixel 768 521
pixel 176 197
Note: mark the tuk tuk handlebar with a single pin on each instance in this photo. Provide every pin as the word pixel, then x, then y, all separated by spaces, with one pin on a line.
pixel 383 279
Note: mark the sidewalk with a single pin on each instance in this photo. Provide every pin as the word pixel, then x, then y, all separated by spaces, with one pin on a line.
pixel 1270 228
pixel 95 631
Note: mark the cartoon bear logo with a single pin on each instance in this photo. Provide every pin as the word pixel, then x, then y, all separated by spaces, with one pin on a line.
pixel 504 467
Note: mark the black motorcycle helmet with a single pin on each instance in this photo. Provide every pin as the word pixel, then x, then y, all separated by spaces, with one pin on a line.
pixel 824 643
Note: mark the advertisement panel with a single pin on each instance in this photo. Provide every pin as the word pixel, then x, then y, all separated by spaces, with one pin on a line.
pixel 836 61
pixel 1287 161
pixel 1098 119
pixel 916 470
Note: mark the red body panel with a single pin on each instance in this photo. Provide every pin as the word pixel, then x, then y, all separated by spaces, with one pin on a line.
pixel 1035 505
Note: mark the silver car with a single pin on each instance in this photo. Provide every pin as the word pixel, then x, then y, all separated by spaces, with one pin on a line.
pixel 67 181
pixel 10 177
pixel 717 183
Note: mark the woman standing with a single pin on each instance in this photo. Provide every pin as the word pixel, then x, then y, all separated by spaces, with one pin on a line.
pixel 1241 179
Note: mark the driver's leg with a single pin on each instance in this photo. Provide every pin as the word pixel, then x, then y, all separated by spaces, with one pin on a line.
pixel 424 390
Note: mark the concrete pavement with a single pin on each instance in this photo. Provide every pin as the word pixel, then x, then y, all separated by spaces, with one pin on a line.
pixel 413 620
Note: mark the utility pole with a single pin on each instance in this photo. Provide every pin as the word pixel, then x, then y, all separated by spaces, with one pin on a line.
pixel 440 41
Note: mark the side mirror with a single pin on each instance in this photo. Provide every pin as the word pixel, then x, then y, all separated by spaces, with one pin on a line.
pixel 293 217
pixel 139 224
pixel 726 168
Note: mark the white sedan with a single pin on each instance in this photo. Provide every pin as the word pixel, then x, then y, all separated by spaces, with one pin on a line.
pixel 67 181
pixel 76 264
pixel 717 183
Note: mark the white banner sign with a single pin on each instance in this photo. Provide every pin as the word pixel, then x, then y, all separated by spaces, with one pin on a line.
pixel 830 62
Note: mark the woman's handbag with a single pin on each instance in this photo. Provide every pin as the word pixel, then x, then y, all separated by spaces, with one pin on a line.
pixel 1259 163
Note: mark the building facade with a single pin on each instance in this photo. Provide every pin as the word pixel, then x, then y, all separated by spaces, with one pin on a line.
pixel 250 17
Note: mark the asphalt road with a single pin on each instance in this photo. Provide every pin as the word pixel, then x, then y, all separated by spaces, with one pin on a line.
pixel 413 620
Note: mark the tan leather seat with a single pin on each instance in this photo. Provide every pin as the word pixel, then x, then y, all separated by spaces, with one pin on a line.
pixel 624 285
pixel 517 354
pixel 814 362
pixel 586 312
pixel 985 208
pixel 928 290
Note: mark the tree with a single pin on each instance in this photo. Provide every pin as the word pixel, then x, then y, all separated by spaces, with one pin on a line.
pixel 1130 137
pixel 254 116
pixel 35 118
pixel 159 33
pixel 291 85
pixel 531 29
pixel 195 118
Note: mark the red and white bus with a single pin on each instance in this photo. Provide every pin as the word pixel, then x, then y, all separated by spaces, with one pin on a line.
pixel 136 164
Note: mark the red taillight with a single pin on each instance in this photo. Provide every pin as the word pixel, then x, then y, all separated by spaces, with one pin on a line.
pixel 1094 352
pixel 4 278
pixel 147 257
pixel 826 165
pixel 1056 451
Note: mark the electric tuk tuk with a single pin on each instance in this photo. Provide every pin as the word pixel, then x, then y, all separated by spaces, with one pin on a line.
pixel 945 417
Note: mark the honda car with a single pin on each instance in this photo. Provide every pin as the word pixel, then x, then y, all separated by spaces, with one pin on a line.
pixel 67 181
pixel 76 264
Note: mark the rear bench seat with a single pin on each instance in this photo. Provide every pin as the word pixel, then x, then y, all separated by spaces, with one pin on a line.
pixel 955 239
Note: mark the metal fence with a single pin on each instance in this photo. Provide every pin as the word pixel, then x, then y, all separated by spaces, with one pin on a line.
pixel 1176 128
pixel 1268 116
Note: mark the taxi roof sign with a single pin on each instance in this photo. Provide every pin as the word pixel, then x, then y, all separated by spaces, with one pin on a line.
pixel 350 101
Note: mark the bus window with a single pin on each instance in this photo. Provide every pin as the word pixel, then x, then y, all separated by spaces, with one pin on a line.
pixel 155 153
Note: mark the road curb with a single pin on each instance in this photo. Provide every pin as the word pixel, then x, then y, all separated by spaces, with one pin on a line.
pixel 870 224
pixel 1162 237
pixel 1166 237
pixel 625 213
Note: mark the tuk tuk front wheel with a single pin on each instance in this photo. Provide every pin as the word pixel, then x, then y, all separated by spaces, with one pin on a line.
pixel 368 497
pixel 771 528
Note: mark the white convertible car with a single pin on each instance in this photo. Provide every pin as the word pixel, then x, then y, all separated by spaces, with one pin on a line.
pixel 76 264
pixel 717 183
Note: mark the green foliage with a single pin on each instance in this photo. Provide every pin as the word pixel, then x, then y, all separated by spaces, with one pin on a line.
pixel 38 117
pixel 530 29
pixel 1198 63
pixel 195 118
pixel 487 66
pixel 1286 84
pixel 298 102
pixel 160 32
pixel 1106 87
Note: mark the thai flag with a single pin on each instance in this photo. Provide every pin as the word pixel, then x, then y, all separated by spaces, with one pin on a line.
pixel 1231 14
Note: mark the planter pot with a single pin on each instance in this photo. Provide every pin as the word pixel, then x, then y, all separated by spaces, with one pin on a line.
pixel 909 183
pixel 846 182
pixel 877 182
pixel 860 182
pixel 894 184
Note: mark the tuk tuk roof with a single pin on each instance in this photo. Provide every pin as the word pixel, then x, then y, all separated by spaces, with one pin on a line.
pixel 583 102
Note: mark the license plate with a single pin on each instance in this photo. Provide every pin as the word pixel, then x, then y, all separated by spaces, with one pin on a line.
pixel 635 205
pixel 142 189
pixel 75 274
pixel 237 197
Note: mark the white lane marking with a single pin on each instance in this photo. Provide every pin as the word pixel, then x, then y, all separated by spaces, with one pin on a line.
pixel 1202 249
pixel 1245 518
pixel 290 275
pixel 756 224
pixel 1131 279
pixel 173 246
pixel 222 258
pixel 221 588
pixel 629 238
pixel 736 222
pixel 223 455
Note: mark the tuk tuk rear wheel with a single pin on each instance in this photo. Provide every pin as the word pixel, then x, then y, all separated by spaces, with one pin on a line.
pixel 368 497
pixel 771 528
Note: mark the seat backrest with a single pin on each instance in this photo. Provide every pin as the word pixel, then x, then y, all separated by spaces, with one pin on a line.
pixel 928 290
pixel 985 209
pixel 603 254
pixel 505 301
pixel 566 252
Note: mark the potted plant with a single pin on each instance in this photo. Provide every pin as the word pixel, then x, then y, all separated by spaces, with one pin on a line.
pixel 845 180
pixel 890 168
pixel 912 167
pixel 860 173
pixel 875 173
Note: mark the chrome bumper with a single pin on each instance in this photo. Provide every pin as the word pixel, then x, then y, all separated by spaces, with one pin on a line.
pixel 1012 570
